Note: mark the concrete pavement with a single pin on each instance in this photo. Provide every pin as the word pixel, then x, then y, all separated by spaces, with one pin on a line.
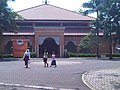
pixel 14 75
pixel 67 76
pixel 106 79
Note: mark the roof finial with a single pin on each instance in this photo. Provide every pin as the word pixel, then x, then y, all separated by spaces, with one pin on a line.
pixel 45 1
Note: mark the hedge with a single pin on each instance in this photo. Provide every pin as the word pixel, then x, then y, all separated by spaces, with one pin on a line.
pixel 89 55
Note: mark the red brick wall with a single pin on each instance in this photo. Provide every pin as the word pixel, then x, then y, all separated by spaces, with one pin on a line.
pixel 19 49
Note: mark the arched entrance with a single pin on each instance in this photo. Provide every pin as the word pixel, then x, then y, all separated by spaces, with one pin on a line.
pixel 8 48
pixel 50 45
pixel 70 46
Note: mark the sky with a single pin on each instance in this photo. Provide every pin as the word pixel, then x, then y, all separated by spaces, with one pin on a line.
pixel 73 5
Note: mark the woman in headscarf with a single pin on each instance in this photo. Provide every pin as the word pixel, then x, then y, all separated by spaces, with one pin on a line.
pixel 26 57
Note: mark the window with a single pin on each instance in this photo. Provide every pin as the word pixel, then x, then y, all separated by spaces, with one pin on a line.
pixel 19 42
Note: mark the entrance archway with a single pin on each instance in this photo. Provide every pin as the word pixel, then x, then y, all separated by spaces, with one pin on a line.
pixel 70 46
pixel 50 45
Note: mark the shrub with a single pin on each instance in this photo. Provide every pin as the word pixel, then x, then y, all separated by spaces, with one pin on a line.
pixel 81 55
pixel 33 55
pixel 6 55
pixel 116 55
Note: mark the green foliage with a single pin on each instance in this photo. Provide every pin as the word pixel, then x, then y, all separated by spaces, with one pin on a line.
pixel 103 7
pixel 87 42
pixel 80 11
pixel 33 55
pixel 7 19
pixel 81 55
pixel 108 15
pixel 116 55
pixel 93 6
pixel 116 40
pixel 7 16
pixel 6 55
pixel 89 55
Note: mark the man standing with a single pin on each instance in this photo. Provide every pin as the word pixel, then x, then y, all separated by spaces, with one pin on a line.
pixel 45 57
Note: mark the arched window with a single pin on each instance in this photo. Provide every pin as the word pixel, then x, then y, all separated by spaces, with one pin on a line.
pixel 8 48
pixel 70 46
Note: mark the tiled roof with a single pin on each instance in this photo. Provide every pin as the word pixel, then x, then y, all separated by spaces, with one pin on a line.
pixel 50 12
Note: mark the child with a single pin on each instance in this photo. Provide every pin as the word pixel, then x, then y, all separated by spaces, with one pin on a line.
pixel 53 63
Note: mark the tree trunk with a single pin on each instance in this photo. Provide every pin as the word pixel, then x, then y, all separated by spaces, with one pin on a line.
pixel 110 46
pixel 97 38
pixel 1 37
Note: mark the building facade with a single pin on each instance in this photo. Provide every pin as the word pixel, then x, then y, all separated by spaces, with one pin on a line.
pixel 47 27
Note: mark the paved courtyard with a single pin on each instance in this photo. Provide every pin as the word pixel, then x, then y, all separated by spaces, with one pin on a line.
pixel 107 79
pixel 67 75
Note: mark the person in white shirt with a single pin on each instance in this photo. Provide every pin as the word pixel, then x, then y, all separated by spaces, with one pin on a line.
pixel 26 57
pixel 53 63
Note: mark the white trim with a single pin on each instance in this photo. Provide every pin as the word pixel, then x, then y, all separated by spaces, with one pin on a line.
pixel 80 34
pixel 32 33
pixel 19 33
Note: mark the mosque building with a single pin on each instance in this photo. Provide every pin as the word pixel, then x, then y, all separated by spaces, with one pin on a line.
pixel 48 27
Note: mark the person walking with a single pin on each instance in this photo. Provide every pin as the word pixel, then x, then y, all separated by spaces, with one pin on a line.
pixel 53 63
pixel 26 57
pixel 45 57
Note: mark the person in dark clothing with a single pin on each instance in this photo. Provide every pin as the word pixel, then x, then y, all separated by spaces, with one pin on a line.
pixel 45 57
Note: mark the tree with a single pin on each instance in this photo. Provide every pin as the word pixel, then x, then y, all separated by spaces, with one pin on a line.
pixel 102 22
pixel 80 11
pixel 7 18
pixel 94 6
pixel 110 22
pixel 87 43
